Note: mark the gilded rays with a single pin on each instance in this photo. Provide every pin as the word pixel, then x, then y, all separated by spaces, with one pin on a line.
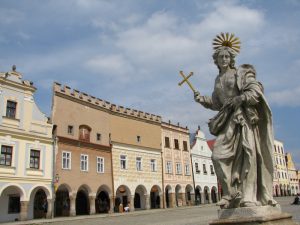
pixel 228 40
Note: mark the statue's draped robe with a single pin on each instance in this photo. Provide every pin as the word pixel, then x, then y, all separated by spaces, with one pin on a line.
pixel 242 153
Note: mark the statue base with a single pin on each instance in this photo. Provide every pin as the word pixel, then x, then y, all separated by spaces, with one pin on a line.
pixel 258 215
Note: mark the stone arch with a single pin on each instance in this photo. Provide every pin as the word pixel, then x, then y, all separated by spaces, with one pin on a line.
pixel 214 195
pixel 82 200
pixel 206 195
pixel 102 200
pixel 198 192
pixel 281 190
pixel 20 190
pixel 284 190
pixel 38 195
pixel 140 198
pixel 11 196
pixel 189 194
pixel 155 197
pixel 123 195
pixel 47 191
pixel 62 200
pixel 178 195
pixel 168 196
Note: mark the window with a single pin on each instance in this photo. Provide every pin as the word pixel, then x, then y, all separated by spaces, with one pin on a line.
pixel 167 142
pixel 138 139
pixel 14 204
pixel 34 159
pixel 153 165
pixel 275 148
pixel 278 174
pixel 197 168
pixel 138 163
pixel 212 170
pixel 70 129
pixel 11 109
pixel 6 155
pixel 98 137
pixel 169 167
pixel 204 169
pixel 100 165
pixel 176 144
pixel 123 162
pixel 185 146
pixel 66 160
pixel 187 169
pixel 178 168
pixel 84 133
pixel 84 160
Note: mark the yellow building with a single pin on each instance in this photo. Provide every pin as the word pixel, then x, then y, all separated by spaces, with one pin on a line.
pixel 26 160
pixel 293 175
pixel 281 179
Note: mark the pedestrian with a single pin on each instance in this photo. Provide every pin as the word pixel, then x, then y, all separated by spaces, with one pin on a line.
pixel 296 200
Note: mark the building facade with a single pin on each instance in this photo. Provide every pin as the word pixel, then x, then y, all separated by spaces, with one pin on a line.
pixel 177 169
pixel 26 160
pixel 206 184
pixel 83 179
pixel 108 157
pixel 136 156
pixel 292 174
pixel 281 185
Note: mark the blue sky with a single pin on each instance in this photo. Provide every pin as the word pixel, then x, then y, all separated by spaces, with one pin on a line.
pixel 130 53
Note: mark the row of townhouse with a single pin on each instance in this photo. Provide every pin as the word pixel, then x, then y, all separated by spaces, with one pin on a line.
pixel 92 156
pixel 286 177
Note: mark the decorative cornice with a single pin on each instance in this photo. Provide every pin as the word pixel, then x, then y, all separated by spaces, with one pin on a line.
pixel 79 143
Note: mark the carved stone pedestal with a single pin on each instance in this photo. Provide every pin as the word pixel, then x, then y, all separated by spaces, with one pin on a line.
pixel 260 215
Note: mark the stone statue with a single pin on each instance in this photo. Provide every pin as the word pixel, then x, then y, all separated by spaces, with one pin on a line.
pixel 242 153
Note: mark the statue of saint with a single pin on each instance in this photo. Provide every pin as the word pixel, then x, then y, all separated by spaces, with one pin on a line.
pixel 243 150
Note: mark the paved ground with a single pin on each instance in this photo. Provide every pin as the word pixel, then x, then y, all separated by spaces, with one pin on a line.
pixel 196 215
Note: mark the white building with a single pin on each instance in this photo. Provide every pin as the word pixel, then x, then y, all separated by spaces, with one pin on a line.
pixel 26 157
pixel 206 185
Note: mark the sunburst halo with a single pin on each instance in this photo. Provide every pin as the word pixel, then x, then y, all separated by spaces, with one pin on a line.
pixel 228 40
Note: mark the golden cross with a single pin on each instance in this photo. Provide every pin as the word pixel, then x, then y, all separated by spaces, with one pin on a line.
pixel 185 79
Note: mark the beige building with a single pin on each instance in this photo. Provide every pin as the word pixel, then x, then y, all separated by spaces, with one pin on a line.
pixel 281 185
pixel 177 172
pixel 26 160
pixel 125 143
pixel 292 174
pixel 136 156
pixel 83 153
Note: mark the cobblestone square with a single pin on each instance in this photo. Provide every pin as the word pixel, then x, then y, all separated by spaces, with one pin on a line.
pixel 195 215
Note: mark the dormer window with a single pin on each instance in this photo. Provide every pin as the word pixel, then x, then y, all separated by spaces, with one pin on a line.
pixel 11 108
pixel 84 133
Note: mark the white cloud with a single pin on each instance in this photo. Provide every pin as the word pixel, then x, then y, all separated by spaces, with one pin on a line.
pixel 10 16
pixel 289 97
pixel 110 65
